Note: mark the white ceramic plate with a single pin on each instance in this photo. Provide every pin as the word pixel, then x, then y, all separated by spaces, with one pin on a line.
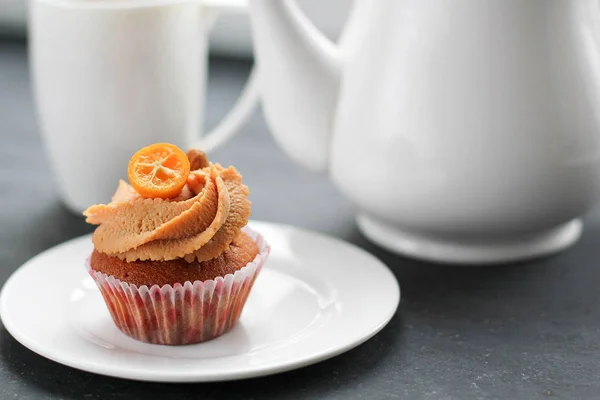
pixel 315 298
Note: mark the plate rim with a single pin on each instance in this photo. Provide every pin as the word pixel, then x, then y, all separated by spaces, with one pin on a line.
pixel 162 376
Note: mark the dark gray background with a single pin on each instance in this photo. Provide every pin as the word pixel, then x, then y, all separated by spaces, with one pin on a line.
pixel 528 331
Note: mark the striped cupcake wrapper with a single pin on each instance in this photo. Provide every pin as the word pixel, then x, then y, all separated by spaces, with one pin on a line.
pixel 186 313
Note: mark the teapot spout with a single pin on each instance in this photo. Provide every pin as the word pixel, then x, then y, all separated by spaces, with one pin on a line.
pixel 298 71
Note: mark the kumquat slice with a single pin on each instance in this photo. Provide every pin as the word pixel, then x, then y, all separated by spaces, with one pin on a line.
pixel 159 170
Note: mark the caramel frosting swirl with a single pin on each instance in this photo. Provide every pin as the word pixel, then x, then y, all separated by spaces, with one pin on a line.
pixel 199 224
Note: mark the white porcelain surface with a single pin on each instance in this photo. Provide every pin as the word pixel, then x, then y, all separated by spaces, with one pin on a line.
pixel 231 34
pixel 112 76
pixel 453 119
pixel 315 298
pixel 470 251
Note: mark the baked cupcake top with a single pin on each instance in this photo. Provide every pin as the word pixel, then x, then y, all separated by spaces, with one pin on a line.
pixel 198 223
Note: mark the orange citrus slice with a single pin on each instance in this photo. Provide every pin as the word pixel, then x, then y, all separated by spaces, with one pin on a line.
pixel 159 170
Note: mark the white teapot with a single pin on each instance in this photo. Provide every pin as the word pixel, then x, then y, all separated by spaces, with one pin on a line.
pixel 465 131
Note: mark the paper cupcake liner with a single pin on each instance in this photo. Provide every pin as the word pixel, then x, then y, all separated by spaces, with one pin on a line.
pixel 185 313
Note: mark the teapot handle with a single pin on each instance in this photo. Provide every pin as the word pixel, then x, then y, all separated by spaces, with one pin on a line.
pixel 247 101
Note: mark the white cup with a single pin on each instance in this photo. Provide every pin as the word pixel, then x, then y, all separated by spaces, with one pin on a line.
pixel 112 76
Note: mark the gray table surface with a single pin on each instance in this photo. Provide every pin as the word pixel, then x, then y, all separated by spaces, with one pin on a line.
pixel 527 331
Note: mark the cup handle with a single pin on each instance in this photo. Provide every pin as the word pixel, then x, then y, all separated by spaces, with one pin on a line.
pixel 246 103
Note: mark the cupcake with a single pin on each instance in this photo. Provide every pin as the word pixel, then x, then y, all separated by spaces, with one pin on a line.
pixel 173 257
